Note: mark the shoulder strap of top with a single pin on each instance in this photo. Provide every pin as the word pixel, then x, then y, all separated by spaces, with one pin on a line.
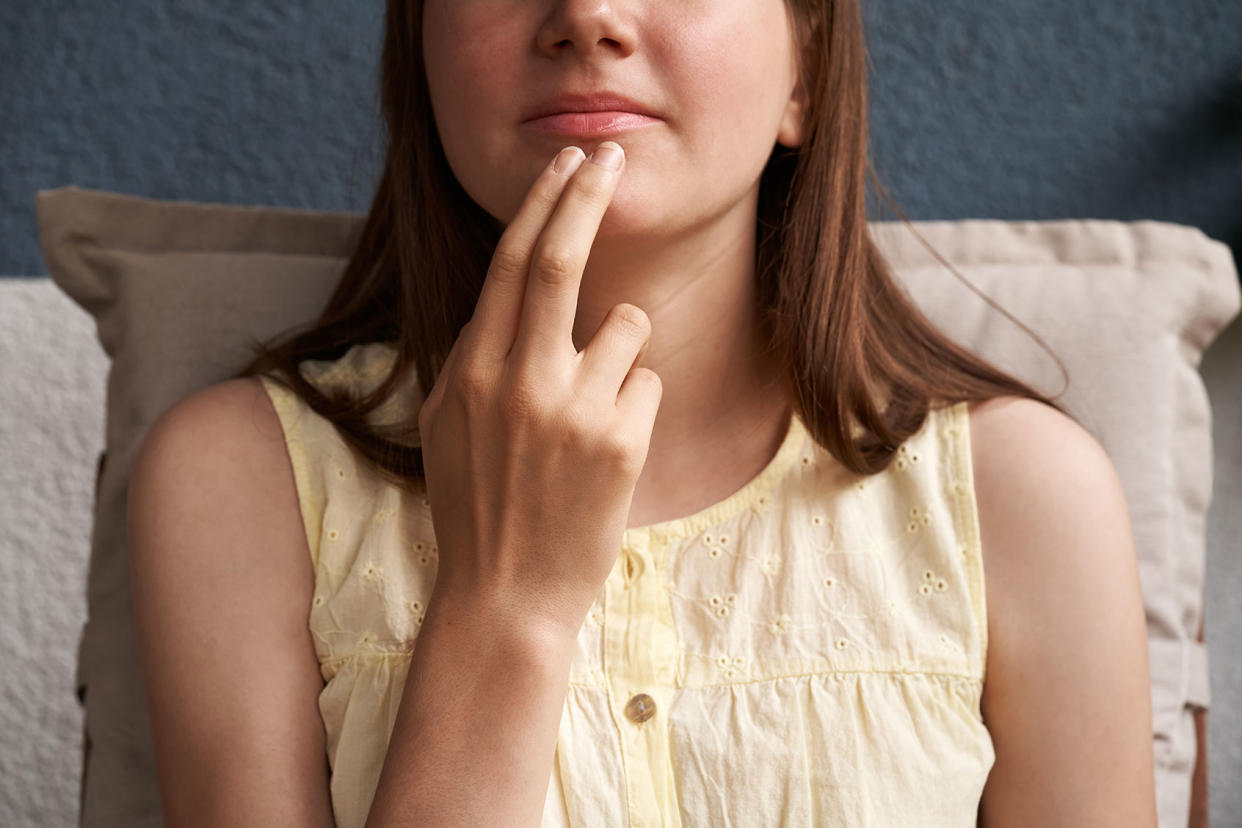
pixel 957 431
pixel 930 486
pixel 309 437
pixel 299 428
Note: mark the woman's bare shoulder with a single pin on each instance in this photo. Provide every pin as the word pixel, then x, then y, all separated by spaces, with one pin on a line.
pixel 1026 455
pixel 225 406
pixel 221 586
pixel 1048 497
pixel 1067 689
pixel 224 443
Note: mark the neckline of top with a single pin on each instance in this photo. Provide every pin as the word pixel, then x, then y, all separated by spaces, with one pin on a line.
pixel 675 528
pixel 750 494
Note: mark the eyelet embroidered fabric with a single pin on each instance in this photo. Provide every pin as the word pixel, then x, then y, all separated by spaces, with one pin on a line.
pixel 813 646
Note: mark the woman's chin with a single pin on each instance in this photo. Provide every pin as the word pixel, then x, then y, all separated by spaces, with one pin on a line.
pixel 621 229
pixel 631 216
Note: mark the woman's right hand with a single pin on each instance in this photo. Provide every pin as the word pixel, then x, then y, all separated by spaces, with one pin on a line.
pixel 532 449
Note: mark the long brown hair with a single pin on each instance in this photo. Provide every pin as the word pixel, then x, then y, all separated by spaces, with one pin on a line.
pixel 863 364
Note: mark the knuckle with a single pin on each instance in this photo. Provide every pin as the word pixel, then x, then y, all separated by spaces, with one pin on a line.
pixel 618 451
pixel 632 320
pixel 647 375
pixel 593 188
pixel 508 262
pixel 472 381
pixel 592 436
pixel 547 198
pixel 646 378
pixel 522 400
pixel 517 407
pixel 554 265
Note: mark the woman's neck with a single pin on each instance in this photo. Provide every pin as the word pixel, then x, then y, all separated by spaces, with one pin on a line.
pixel 722 411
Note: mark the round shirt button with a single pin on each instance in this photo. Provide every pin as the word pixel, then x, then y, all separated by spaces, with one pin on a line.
pixel 640 708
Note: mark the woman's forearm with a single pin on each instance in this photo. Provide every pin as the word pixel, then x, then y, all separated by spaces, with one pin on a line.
pixel 475 734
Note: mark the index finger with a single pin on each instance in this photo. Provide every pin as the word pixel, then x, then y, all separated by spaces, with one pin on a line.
pixel 560 257
pixel 499 308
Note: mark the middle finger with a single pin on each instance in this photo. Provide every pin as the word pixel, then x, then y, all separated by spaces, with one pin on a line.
pixel 560 255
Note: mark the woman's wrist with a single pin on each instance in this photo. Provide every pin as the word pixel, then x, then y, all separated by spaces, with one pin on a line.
pixel 508 622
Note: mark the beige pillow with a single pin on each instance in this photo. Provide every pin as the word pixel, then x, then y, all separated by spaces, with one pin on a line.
pixel 177 288
pixel 1129 309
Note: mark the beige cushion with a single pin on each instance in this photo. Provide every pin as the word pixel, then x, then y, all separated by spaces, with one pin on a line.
pixel 177 289
pixel 1129 309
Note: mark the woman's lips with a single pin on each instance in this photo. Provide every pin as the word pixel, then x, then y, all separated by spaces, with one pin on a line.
pixel 589 124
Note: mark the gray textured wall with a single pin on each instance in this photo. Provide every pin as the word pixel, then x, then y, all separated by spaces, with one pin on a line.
pixel 228 100
pixel 1014 109
pixel 1010 109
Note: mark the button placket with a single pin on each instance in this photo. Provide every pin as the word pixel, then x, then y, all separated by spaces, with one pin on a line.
pixel 640 664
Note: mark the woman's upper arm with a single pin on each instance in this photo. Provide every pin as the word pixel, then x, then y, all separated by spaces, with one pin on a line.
pixel 222 583
pixel 1067 695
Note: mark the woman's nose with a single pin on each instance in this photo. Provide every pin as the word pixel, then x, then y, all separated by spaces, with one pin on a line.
pixel 585 27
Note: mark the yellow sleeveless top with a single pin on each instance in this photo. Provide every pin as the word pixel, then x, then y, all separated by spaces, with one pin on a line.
pixel 808 651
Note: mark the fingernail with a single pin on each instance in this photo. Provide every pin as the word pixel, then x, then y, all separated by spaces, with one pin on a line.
pixel 608 154
pixel 568 160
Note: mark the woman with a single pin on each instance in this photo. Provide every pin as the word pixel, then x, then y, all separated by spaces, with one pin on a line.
pixel 618 413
